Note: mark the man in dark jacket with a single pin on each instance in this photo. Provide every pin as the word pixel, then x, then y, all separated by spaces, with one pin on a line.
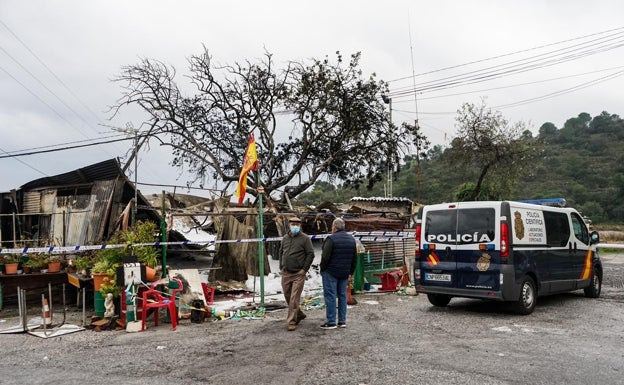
pixel 296 256
pixel 338 262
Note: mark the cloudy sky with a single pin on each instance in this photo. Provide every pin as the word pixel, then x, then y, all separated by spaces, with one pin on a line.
pixel 534 61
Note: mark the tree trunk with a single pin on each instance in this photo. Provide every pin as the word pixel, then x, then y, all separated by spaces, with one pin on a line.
pixel 237 260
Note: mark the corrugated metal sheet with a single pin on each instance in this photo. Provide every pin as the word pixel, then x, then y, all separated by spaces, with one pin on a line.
pixel 102 193
pixel 48 201
pixel 106 170
pixel 79 219
pixel 380 199
pixel 83 204
pixel 32 202
pixel 73 223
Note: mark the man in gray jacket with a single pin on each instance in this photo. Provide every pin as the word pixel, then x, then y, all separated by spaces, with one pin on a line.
pixel 296 256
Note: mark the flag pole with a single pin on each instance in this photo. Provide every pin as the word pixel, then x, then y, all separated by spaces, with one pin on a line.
pixel 261 236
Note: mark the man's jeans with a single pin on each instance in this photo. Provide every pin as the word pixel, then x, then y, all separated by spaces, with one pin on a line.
pixel 332 287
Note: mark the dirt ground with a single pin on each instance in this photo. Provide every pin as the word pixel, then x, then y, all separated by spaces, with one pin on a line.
pixel 390 338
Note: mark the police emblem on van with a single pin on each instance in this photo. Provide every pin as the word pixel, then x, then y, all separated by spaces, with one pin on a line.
pixel 484 262
pixel 518 225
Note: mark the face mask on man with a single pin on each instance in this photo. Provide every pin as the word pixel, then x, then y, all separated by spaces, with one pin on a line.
pixel 294 229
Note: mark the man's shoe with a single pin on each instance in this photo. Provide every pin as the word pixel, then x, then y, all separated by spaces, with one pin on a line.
pixel 342 325
pixel 292 327
pixel 300 318
pixel 328 326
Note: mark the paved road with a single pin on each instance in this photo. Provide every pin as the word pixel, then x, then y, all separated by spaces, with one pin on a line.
pixel 390 339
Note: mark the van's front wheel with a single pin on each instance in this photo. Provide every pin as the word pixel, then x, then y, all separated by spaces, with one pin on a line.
pixel 528 297
pixel 440 300
pixel 595 287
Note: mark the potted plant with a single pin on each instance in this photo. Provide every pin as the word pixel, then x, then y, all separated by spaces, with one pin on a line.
pixel 103 271
pixel 11 261
pixel 143 232
pixel 54 263
pixel 109 285
pixel 36 262
pixel 83 264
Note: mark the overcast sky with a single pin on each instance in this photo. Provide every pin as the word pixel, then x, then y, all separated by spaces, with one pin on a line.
pixel 533 60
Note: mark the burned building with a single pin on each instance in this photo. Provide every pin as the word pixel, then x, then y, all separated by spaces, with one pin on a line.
pixel 80 207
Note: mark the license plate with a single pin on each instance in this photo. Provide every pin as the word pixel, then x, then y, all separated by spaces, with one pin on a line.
pixel 438 277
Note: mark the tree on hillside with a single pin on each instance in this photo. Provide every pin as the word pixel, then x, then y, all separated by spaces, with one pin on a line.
pixel 310 119
pixel 499 151
pixel 547 130
pixel 607 123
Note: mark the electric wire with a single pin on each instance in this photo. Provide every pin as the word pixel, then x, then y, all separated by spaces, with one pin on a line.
pixel 50 71
pixel 28 165
pixel 13 155
pixel 46 88
pixel 507 54
pixel 513 85
pixel 63 102
pixel 495 72
pixel 562 92
pixel 60 144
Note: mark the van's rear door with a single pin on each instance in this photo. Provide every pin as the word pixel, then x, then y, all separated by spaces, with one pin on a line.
pixel 478 251
pixel 459 246
pixel 438 264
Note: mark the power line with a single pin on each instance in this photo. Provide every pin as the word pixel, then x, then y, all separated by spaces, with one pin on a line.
pixel 565 91
pixel 518 66
pixel 26 164
pixel 63 102
pixel 44 86
pixel 50 71
pixel 13 155
pixel 61 144
pixel 507 54
pixel 514 85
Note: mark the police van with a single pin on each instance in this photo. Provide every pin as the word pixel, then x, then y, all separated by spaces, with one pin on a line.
pixel 504 251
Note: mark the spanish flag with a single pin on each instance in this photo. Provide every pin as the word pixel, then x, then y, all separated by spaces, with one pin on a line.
pixel 250 163
pixel 433 259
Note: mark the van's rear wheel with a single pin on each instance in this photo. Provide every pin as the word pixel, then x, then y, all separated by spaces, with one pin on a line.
pixel 439 299
pixel 595 287
pixel 528 297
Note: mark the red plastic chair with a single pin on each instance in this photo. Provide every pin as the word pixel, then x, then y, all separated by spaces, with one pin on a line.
pixel 153 299
pixel 209 293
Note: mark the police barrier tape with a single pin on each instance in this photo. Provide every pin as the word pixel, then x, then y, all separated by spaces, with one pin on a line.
pixel 370 236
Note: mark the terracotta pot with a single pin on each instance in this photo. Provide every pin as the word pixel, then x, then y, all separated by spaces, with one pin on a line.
pixel 150 274
pixel 98 280
pixel 54 267
pixel 10 268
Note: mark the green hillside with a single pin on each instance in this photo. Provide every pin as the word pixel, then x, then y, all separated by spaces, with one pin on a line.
pixel 583 162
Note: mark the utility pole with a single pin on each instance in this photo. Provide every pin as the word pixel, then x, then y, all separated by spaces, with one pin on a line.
pixel 388 101
pixel 261 236
pixel 136 201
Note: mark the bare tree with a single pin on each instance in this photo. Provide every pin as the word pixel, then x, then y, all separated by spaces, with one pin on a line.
pixel 501 152
pixel 310 119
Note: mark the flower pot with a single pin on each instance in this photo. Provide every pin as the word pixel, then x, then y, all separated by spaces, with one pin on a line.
pixel 98 280
pixel 10 268
pixel 54 266
pixel 150 274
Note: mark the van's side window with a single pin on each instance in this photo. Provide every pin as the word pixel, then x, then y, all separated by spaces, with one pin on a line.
pixel 580 230
pixel 557 228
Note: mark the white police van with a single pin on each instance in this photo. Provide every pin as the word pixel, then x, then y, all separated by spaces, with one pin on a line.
pixel 505 251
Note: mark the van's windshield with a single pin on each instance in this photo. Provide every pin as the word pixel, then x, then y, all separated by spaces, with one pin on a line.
pixel 463 226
